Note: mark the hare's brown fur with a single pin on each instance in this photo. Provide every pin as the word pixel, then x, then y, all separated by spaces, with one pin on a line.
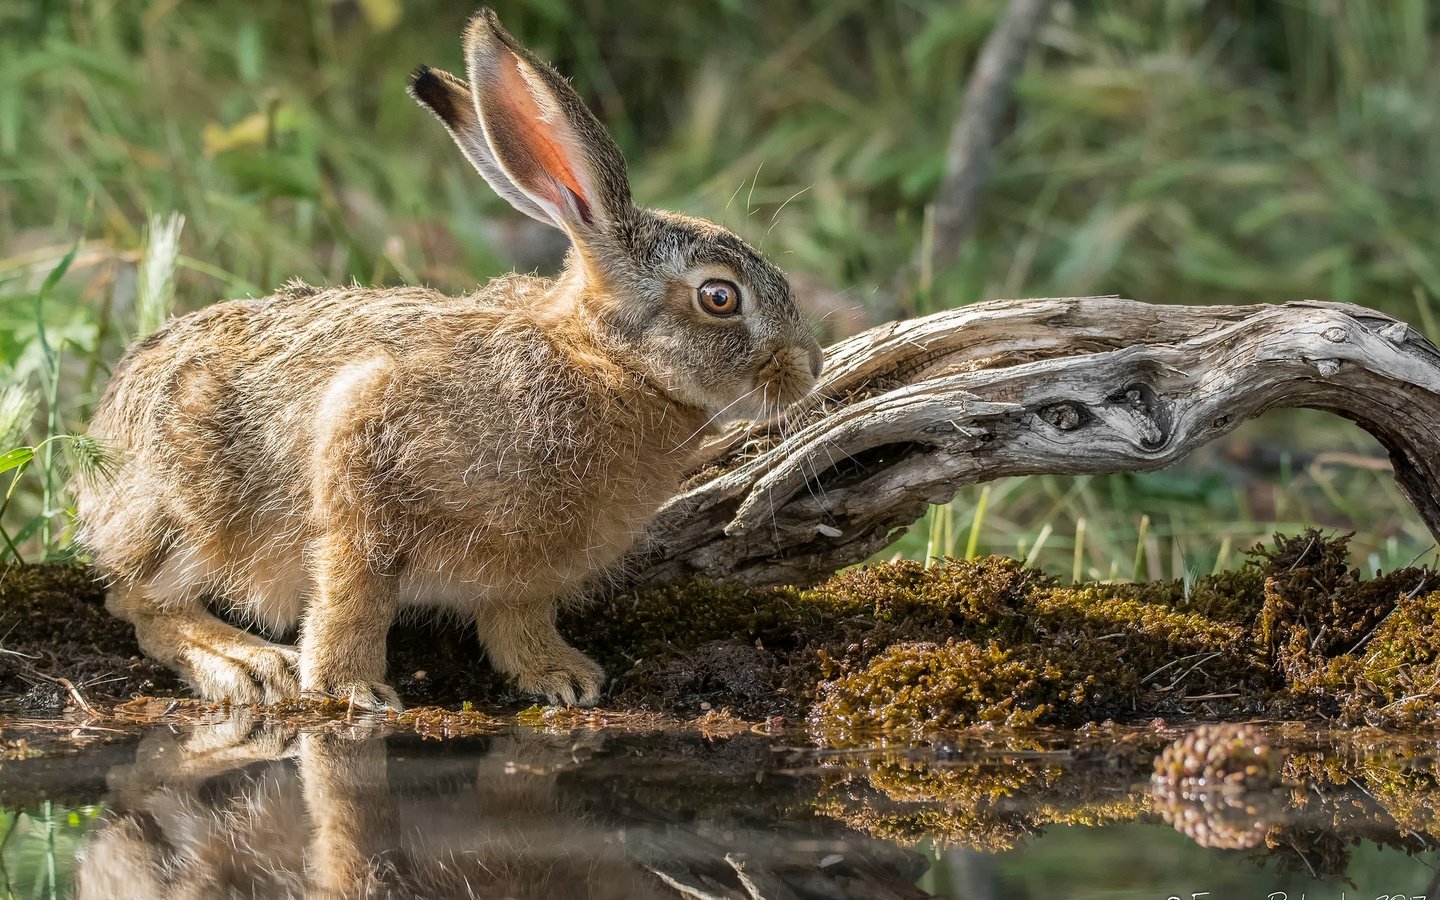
pixel 323 457
pixel 383 466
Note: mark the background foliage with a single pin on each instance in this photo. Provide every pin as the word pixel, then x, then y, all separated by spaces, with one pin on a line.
pixel 1188 151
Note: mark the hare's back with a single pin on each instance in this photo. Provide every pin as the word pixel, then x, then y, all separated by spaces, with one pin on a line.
pixel 221 403
pixel 248 360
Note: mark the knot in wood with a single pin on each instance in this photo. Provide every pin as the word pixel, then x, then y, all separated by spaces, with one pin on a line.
pixel 1064 416
pixel 1395 332
pixel 1334 334
pixel 1147 414
pixel 1133 398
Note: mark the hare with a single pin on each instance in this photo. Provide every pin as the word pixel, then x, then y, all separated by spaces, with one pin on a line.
pixel 326 457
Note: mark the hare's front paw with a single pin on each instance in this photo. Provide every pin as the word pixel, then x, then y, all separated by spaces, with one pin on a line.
pixel 247 672
pixel 376 696
pixel 564 676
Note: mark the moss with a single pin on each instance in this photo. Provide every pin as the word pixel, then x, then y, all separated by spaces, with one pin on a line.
pixel 1316 608
pixel 1119 635
pixel 1227 597
pixel 914 687
pixel 985 595
pixel 1380 662
pixel 898 647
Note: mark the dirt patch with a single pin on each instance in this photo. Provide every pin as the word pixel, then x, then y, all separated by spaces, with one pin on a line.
pixel 675 681
pixel 896 647
pixel 53 625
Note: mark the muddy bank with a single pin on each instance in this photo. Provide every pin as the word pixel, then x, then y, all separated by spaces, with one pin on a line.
pixel 896 647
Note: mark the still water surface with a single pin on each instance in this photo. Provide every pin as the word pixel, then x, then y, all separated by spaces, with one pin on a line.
pixel 243 810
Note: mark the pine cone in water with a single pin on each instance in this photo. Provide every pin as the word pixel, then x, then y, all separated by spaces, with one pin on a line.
pixel 1217 786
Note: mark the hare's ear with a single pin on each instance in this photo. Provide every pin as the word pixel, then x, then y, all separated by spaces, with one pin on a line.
pixel 542 141
pixel 449 99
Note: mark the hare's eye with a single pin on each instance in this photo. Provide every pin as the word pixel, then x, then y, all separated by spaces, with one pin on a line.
pixel 719 298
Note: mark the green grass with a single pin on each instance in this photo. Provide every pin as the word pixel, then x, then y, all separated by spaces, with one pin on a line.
pixel 38 847
pixel 1174 151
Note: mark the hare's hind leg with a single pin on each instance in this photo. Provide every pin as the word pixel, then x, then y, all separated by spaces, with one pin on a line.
pixel 522 642
pixel 219 660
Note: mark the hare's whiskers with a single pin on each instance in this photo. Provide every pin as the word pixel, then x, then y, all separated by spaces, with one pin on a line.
pixel 738 188
pixel 751 196
pixel 776 217
pixel 774 524
pixel 698 431
pixel 800 457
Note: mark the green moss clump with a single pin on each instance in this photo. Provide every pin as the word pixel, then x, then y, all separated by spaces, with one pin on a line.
pixel 1229 597
pixel 1392 678
pixel 939 686
pixel 905 647
pixel 1316 607
pixel 1141 637
pixel 975 596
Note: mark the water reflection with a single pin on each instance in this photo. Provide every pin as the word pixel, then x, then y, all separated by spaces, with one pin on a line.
pixel 249 809
pixel 271 813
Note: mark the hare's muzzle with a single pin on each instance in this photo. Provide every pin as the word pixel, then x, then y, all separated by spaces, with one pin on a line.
pixel 788 375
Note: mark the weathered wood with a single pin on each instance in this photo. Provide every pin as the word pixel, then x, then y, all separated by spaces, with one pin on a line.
pixel 909 412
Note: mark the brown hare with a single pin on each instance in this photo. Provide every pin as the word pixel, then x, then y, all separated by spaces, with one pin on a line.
pixel 325 457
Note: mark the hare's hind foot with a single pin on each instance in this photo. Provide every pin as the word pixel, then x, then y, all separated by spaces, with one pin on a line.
pixel 522 642
pixel 218 660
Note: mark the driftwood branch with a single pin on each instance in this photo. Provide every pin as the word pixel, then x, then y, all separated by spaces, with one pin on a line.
pixel 909 412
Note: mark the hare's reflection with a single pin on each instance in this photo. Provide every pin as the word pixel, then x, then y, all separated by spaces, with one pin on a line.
pixel 262 811
pixel 269 812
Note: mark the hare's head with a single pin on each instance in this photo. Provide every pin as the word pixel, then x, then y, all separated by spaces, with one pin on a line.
pixel 710 320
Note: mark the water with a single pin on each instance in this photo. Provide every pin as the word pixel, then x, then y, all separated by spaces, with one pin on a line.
pixel 240 809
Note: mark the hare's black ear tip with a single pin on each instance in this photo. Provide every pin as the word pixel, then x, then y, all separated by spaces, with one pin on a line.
pixel 425 85
pixel 430 91
pixel 421 73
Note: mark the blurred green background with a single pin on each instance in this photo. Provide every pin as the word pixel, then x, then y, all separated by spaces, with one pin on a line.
pixel 1178 151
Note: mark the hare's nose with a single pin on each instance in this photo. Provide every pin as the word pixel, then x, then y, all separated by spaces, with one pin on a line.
pixel 817 361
